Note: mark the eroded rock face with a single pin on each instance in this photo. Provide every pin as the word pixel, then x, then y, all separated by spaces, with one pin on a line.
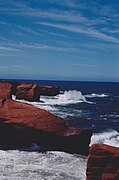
pixel 22 124
pixel 5 90
pixel 28 91
pixel 49 90
pixel 103 163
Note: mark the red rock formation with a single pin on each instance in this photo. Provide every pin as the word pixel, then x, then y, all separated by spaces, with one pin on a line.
pixel 49 90
pixel 23 123
pixel 5 90
pixel 103 163
pixel 28 91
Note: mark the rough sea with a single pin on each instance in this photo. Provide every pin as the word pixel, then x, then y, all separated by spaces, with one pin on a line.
pixel 85 104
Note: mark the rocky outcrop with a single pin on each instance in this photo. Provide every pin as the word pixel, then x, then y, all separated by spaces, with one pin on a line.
pixel 49 90
pixel 28 91
pixel 103 163
pixel 5 90
pixel 21 124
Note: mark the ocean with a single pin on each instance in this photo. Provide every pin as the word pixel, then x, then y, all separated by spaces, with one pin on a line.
pixel 87 105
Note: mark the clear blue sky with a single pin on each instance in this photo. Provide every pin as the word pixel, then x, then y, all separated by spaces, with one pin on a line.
pixel 59 39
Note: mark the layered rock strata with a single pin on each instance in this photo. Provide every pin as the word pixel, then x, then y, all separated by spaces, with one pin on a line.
pixel 103 163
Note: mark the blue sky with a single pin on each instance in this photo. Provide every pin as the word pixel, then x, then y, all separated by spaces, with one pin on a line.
pixel 59 40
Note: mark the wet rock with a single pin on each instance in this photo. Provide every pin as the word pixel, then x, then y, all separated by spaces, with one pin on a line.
pixel 49 90
pixel 103 163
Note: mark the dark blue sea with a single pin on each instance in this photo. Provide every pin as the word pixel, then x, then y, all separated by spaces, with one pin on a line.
pixel 86 104
pixel 92 104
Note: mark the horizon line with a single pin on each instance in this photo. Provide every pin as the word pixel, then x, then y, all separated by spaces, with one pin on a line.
pixel 90 81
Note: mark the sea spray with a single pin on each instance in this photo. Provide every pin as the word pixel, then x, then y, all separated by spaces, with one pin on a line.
pixel 32 165
pixel 68 97
pixel 65 98
pixel 109 137
pixel 93 95
pixel 58 104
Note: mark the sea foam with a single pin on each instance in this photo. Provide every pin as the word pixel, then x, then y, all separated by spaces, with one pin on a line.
pixel 96 95
pixel 54 103
pixel 67 97
pixel 109 137
pixel 20 165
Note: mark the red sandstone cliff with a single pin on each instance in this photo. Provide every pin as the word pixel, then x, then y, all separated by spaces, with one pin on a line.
pixel 23 123
pixel 103 163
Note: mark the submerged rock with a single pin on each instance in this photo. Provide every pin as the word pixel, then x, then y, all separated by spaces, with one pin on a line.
pixel 22 124
pixel 28 91
pixel 49 90
pixel 103 163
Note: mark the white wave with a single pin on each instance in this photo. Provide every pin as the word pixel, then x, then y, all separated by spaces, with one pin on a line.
pixel 20 165
pixel 68 97
pixel 13 97
pixel 54 104
pixel 95 95
pixel 110 137
pixel 41 104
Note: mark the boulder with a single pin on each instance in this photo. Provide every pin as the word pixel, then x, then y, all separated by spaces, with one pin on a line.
pixel 5 90
pixel 49 90
pixel 103 163
pixel 28 91
pixel 22 124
